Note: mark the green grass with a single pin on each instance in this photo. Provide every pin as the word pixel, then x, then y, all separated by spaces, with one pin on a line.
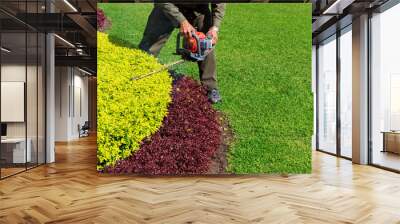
pixel 264 74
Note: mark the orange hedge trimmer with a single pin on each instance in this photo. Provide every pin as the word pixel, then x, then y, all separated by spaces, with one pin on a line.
pixel 196 48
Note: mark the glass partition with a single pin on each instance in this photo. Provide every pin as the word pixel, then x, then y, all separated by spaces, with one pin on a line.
pixel 327 95
pixel 346 92
pixel 385 89
pixel 22 88
pixel 41 97
pixel 31 99
pixel 14 153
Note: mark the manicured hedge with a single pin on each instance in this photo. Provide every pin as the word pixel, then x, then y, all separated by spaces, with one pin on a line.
pixel 128 111
pixel 187 140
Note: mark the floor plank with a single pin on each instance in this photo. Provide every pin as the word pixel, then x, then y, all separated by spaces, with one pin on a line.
pixel 71 191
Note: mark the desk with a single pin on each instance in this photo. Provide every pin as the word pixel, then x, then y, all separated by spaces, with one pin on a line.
pixel 391 141
pixel 13 150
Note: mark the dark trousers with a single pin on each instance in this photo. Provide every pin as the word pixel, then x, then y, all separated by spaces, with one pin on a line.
pixel 159 29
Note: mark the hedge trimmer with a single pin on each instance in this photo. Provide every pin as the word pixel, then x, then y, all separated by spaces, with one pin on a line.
pixel 195 49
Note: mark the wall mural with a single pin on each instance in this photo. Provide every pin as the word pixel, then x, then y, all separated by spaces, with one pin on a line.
pixel 231 96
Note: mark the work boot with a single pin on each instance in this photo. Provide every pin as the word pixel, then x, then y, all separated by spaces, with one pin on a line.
pixel 213 96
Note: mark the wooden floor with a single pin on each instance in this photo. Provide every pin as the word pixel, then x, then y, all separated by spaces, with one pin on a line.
pixel 387 159
pixel 71 191
pixel 10 171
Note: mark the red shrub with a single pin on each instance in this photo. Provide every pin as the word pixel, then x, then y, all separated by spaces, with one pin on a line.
pixel 187 140
pixel 103 22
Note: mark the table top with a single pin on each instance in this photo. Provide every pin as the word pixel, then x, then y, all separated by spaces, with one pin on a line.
pixel 13 140
pixel 391 132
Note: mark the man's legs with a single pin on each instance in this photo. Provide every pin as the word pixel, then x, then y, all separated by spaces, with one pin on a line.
pixel 156 34
pixel 158 29
pixel 207 68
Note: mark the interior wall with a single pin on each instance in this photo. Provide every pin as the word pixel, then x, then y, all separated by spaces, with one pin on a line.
pixel 81 112
pixel 50 96
pixel 41 113
pixel 92 107
pixel 33 126
pixel 62 81
pixel 12 73
pixel 71 102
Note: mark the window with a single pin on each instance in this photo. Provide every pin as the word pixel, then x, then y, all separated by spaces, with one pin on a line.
pixel 346 74
pixel 385 89
pixel 327 95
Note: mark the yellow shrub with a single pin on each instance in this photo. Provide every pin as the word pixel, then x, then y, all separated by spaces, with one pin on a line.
pixel 128 111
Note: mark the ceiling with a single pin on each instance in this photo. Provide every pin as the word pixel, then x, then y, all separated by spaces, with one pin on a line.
pixel 331 15
pixel 74 22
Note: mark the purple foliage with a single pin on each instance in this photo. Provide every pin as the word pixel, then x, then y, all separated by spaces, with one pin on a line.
pixel 103 22
pixel 187 140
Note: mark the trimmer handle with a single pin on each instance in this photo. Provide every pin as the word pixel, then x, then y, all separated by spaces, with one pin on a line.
pixel 197 52
pixel 197 41
pixel 178 41
pixel 185 53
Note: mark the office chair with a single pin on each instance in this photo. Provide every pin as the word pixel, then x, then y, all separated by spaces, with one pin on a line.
pixel 84 130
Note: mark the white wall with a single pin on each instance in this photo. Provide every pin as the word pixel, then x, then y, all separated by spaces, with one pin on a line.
pixel 50 96
pixel 12 73
pixel 71 87
pixel 80 88
pixel 33 126
pixel 62 82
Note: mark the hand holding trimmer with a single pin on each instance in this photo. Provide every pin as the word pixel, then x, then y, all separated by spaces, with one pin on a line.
pixel 196 48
